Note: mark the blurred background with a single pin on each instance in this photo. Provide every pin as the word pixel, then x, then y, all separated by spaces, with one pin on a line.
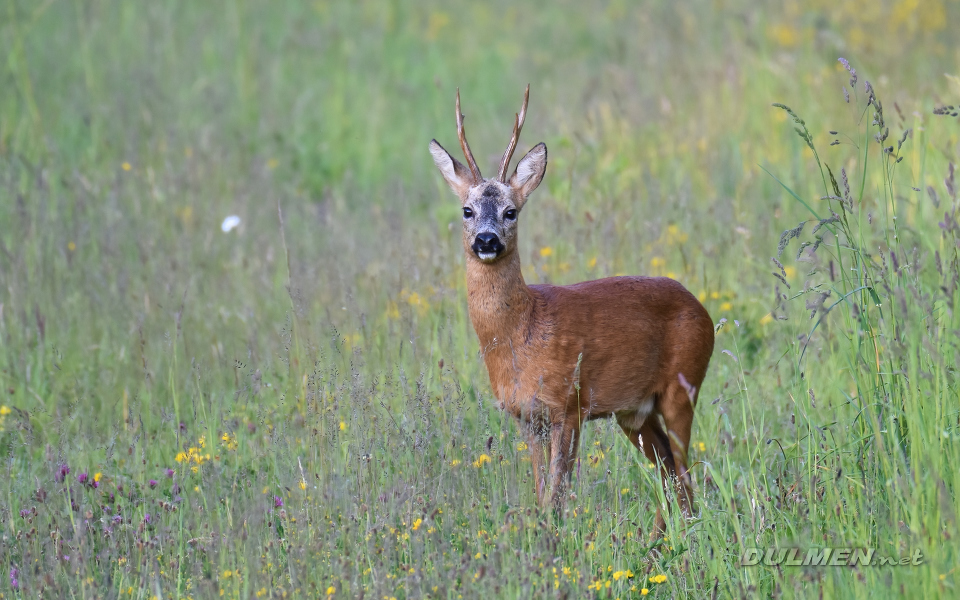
pixel 130 131
pixel 133 326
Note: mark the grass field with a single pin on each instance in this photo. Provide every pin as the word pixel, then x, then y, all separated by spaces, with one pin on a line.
pixel 297 408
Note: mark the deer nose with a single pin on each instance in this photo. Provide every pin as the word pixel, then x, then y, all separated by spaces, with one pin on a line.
pixel 487 242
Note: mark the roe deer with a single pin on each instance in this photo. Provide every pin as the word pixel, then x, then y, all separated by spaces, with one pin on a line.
pixel 635 348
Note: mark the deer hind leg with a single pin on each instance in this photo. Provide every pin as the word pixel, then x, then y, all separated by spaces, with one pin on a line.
pixel 652 440
pixel 563 438
pixel 676 408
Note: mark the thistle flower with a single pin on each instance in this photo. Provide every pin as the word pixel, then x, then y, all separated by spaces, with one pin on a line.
pixel 61 474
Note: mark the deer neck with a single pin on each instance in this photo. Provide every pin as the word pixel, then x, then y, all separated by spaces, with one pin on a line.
pixel 500 303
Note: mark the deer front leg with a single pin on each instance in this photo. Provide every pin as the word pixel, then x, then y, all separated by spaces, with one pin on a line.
pixel 563 436
pixel 534 437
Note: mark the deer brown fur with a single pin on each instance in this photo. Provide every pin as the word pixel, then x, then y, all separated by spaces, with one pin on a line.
pixel 633 348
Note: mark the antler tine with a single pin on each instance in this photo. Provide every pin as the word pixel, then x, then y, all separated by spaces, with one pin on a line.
pixel 477 177
pixel 517 126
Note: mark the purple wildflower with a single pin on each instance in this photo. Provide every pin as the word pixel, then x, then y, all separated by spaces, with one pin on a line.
pixel 277 501
pixel 25 512
pixel 82 478
pixel 147 519
pixel 61 474
pixel 170 472
pixel 153 483
pixel 117 519
pixel 14 582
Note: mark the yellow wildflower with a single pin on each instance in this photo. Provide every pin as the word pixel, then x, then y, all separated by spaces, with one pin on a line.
pixel 393 311
pixel 230 441
pixel 546 251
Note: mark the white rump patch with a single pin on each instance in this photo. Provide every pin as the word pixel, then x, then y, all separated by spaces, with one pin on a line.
pixel 636 418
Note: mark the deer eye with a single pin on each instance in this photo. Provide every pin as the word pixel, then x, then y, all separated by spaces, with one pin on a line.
pixel 510 214
pixel 467 212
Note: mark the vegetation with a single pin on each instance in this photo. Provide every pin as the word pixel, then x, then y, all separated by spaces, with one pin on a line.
pixel 296 407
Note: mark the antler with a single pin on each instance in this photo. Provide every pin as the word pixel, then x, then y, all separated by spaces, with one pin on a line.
pixel 517 126
pixel 477 177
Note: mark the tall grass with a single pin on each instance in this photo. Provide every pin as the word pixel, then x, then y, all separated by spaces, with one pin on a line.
pixel 297 407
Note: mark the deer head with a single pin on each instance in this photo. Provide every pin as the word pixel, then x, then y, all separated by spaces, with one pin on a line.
pixel 491 207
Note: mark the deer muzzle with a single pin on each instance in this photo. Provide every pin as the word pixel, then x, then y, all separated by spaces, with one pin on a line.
pixel 487 246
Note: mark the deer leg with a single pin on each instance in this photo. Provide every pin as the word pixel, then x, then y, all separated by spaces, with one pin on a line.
pixel 650 439
pixel 574 452
pixel 534 437
pixel 676 407
pixel 562 436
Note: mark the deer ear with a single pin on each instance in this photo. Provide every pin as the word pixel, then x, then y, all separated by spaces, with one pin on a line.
pixel 529 172
pixel 457 176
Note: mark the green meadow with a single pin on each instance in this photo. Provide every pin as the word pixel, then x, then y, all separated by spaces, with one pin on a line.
pixel 297 407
